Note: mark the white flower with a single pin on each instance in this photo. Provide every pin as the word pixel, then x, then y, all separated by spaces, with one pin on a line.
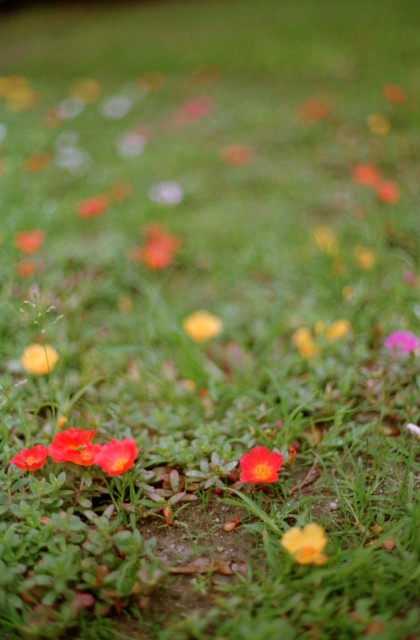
pixel 3 131
pixel 70 108
pixel 131 145
pixel 116 107
pixel 413 428
pixel 167 193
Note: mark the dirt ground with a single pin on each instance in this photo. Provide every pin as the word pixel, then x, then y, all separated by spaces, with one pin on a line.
pixel 200 555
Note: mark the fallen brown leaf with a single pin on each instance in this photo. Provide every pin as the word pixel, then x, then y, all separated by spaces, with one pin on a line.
pixel 205 565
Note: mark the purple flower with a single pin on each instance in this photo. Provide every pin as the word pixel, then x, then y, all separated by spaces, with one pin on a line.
pixel 401 342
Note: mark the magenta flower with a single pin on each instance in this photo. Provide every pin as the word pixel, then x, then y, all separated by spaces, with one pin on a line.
pixel 401 342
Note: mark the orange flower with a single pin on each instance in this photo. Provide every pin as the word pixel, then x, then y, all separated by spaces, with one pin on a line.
pixel 388 192
pixel 260 465
pixel 117 456
pixel 30 459
pixel 92 207
pixel 236 154
pixel 151 81
pixel 314 109
pixel 306 545
pixel 120 192
pixel 158 250
pixel 74 445
pixel 39 359
pixel 29 241
pixel 394 94
pixel 36 162
pixel 25 268
pixel 366 175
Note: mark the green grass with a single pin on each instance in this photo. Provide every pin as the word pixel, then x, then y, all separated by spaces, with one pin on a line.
pixel 248 256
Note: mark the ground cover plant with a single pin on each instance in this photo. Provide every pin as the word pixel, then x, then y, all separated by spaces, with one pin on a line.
pixel 210 321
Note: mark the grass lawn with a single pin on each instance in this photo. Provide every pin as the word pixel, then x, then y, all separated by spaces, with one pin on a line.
pixel 258 161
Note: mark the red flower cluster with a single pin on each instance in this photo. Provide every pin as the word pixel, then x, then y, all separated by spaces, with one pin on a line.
pixel 75 445
pixel 367 175
pixel 28 242
pixel 158 250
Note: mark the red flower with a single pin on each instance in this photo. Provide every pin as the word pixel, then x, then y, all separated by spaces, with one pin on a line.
pixel 260 465
pixel 117 456
pixel 29 241
pixel 366 174
pixel 25 268
pixel 313 110
pixel 193 110
pixel 236 154
pixel 158 250
pixel 388 192
pixel 74 445
pixel 394 94
pixel 92 207
pixel 30 459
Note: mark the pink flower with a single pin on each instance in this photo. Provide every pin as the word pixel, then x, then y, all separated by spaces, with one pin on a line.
pixel 401 342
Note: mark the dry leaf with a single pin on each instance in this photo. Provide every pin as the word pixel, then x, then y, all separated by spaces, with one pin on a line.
pixel 205 565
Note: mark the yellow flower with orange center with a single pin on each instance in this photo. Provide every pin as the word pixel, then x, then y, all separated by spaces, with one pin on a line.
pixel 201 326
pixel 39 359
pixel 306 545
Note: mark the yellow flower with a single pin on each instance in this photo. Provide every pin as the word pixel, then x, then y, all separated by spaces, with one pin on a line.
pixel 39 359
pixel 303 340
pixel 125 304
pixel 338 329
pixel 201 326
pixel 319 327
pixel 306 545
pixel 62 421
pixel 347 292
pixel 86 89
pixel 338 267
pixel 325 239
pixel 378 125
pixel 365 257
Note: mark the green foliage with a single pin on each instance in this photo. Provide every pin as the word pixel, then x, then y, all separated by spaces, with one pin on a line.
pixel 72 557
